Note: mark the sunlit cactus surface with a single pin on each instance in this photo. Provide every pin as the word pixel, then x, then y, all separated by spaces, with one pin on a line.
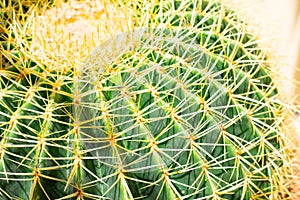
pixel 184 108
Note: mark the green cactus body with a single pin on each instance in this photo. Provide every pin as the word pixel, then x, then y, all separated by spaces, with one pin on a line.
pixel 189 113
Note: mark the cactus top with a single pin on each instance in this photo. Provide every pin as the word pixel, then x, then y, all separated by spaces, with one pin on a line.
pixel 190 112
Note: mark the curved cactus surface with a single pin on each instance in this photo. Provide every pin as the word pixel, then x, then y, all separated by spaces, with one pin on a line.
pixel 186 109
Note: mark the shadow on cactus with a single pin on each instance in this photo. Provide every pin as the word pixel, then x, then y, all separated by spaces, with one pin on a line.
pixel 185 108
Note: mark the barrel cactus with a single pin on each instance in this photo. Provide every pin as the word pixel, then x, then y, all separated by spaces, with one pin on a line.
pixel 188 110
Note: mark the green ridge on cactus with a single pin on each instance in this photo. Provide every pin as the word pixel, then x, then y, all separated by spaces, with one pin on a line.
pixel 189 113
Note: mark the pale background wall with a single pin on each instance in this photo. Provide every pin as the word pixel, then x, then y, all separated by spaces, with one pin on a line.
pixel 283 22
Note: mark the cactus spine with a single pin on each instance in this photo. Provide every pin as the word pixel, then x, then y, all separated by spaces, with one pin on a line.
pixel 191 112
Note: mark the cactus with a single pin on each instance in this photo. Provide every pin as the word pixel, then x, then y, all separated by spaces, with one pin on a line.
pixel 190 111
